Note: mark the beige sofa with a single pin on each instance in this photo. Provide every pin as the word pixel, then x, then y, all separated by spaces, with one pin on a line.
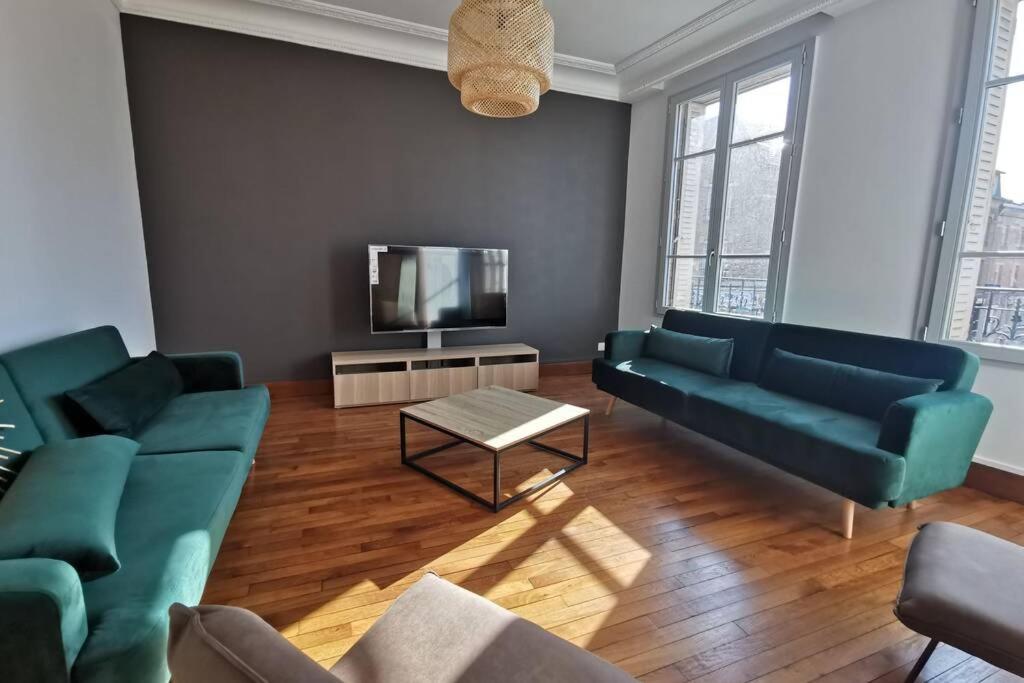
pixel 435 632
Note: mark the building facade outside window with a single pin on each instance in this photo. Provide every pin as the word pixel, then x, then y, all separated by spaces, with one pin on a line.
pixel 979 291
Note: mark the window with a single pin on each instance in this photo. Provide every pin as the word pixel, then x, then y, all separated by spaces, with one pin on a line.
pixel 979 292
pixel 731 171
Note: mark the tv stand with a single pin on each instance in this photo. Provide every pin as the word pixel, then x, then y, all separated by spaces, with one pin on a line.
pixel 363 378
pixel 434 339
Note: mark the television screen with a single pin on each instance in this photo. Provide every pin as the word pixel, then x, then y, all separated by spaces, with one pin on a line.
pixel 413 289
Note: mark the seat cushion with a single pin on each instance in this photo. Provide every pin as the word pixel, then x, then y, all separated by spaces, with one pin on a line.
pixel 44 371
pixel 174 512
pixel 653 384
pixel 963 587
pixel 441 633
pixel 208 421
pixel 823 445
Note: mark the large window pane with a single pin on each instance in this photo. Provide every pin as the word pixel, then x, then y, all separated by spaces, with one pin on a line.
pixel 750 198
pixel 692 206
pixel 987 291
pixel 743 286
pixel 988 305
pixel 762 102
pixel 1008 51
pixel 686 283
pixel 698 121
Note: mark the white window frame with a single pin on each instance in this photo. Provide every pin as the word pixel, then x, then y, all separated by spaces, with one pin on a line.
pixel 800 58
pixel 952 226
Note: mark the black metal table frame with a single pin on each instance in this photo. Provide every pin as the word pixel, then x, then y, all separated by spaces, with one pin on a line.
pixel 495 505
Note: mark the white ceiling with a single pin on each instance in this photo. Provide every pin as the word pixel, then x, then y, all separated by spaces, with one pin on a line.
pixel 614 49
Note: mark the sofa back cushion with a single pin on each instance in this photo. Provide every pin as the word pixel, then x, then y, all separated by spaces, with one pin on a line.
pixel 125 400
pixel 704 354
pixel 13 411
pixel 749 338
pixel 63 505
pixel 43 372
pixel 954 366
pixel 852 389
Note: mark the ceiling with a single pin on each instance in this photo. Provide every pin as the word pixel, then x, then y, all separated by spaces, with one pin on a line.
pixel 614 49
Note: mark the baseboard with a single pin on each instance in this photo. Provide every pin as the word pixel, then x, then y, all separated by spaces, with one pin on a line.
pixel 996 482
pixel 297 388
pixel 565 369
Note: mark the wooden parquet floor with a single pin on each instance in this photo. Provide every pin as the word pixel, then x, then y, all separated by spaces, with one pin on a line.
pixel 670 555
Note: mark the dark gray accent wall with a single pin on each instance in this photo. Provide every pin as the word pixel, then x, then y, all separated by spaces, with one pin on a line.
pixel 265 168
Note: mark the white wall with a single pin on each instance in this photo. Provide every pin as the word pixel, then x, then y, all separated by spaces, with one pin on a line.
pixel 885 86
pixel 70 225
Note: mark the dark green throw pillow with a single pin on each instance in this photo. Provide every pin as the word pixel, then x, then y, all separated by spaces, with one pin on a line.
pixel 705 354
pixel 125 400
pixel 850 388
pixel 63 505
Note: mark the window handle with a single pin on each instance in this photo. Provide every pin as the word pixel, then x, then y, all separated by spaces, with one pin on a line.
pixel 712 254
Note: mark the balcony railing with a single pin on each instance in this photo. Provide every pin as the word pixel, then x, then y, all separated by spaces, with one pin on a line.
pixel 736 295
pixel 997 316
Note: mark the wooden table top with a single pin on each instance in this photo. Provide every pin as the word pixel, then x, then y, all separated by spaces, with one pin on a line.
pixel 495 418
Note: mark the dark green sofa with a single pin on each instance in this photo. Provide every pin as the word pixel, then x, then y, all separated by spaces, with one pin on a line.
pixel 181 490
pixel 921 445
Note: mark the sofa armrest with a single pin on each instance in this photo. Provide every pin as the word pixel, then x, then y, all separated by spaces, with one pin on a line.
pixel 937 434
pixel 624 344
pixel 212 371
pixel 42 619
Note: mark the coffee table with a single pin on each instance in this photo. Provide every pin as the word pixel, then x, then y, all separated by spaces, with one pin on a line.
pixel 495 419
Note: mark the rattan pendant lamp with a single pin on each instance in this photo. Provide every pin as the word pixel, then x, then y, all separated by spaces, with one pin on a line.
pixel 500 55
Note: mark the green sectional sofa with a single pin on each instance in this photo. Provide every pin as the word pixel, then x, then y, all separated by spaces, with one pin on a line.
pixel 878 420
pixel 183 474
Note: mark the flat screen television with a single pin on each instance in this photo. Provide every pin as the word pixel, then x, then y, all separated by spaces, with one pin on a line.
pixel 421 289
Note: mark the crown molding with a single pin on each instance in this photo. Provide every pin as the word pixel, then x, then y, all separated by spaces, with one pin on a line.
pixel 341 29
pixel 326 9
pixel 657 81
pixel 685 31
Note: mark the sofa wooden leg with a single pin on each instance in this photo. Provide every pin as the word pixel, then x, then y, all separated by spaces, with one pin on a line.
pixel 913 505
pixel 847 525
pixel 611 404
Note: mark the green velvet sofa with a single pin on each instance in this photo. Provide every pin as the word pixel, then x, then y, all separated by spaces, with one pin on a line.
pixel 914 447
pixel 179 495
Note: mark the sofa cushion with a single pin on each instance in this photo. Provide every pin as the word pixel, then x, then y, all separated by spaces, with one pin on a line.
pixel 126 399
pixel 43 372
pixel 851 389
pixel 829 447
pixel 653 384
pixel 64 504
pixel 749 337
pixel 438 632
pixel 174 512
pixel 704 354
pixel 208 421
pixel 954 366
pixel 233 645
